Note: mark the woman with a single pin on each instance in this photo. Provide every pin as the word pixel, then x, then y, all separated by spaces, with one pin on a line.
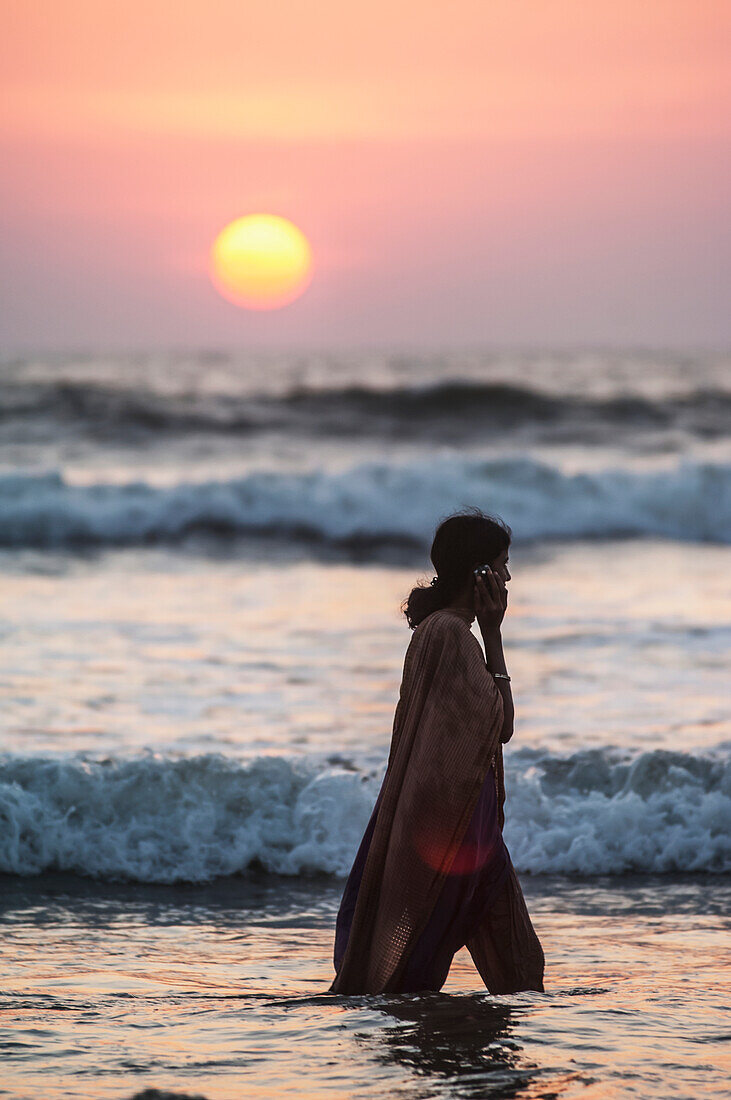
pixel 432 872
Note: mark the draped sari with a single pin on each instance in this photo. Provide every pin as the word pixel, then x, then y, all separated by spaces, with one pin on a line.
pixel 432 872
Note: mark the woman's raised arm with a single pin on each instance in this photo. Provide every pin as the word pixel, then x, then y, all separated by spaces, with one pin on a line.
pixel 495 659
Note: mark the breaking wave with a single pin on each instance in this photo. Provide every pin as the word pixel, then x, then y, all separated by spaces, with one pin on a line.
pixel 163 820
pixel 373 503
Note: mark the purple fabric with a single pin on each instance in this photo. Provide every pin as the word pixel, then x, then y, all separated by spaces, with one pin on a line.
pixel 479 870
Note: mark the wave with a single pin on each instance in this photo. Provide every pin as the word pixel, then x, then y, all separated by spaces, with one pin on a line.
pixel 161 820
pixel 448 409
pixel 373 504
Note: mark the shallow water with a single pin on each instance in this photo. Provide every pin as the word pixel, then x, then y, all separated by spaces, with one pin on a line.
pixel 222 991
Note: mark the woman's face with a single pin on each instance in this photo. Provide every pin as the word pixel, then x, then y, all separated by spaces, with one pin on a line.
pixel 500 565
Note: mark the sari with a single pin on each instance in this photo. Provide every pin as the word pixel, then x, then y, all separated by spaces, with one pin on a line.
pixel 432 872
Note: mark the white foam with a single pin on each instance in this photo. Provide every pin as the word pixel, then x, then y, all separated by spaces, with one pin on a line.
pixel 596 812
pixel 691 501
pixel 155 819
pixel 152 819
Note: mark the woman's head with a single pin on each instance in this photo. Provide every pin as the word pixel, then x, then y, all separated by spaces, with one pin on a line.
pixel 461 543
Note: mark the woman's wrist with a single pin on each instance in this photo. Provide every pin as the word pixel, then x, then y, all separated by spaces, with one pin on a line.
pixel 494 656
pixel 493 640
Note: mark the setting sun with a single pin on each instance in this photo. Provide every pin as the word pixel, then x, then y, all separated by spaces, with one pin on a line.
pixel 261 261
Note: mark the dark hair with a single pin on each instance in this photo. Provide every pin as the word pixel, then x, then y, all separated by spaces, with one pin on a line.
pixel 462 541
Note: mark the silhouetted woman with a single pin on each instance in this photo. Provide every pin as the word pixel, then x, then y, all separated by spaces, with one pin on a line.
pixel 432 872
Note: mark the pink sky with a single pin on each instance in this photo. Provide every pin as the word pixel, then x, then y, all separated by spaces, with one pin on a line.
pixel 512 171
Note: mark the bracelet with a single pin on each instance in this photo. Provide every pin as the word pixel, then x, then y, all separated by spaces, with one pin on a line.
pixel 500 675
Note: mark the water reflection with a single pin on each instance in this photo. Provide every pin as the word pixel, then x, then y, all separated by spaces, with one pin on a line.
pixel 462 1042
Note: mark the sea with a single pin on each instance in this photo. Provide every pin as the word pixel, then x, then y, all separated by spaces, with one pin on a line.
pixel 203 556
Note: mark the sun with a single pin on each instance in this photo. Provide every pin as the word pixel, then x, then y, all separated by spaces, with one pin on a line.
pixel 261 261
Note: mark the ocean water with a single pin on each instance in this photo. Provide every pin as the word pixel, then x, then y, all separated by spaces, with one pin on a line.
pixel 202 559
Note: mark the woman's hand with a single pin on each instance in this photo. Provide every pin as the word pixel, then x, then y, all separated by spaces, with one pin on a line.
pixel 491 601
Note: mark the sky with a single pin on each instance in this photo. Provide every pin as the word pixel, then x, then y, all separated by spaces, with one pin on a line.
pixel 530 172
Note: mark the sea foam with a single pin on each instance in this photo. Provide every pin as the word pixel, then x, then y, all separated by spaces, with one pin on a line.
pixel 155 819
pixel 387 502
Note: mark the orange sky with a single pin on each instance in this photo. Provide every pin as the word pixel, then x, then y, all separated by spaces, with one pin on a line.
pixel 474 172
